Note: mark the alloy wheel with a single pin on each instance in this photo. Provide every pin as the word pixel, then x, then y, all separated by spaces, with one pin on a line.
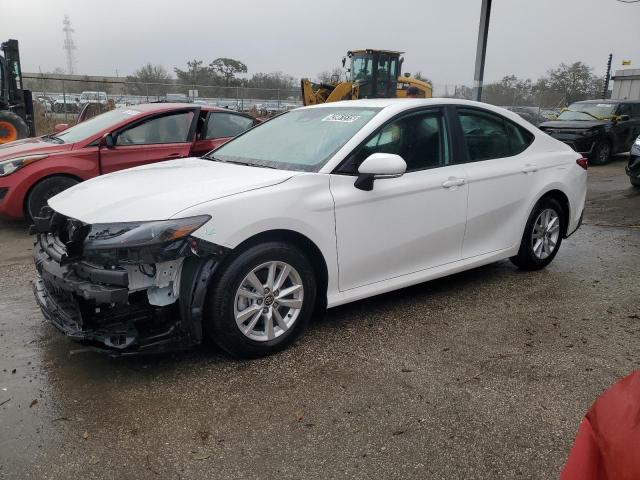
pixel 546 231
pixel 268 301
pixel 603 154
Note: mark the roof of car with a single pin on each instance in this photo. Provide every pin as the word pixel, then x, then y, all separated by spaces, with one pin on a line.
pixel 398 105
pixel 392 102
pixel 165 106
pixel 607 100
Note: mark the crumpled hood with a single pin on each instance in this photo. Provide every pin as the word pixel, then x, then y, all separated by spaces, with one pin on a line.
pixel 30 146
pixel 160 190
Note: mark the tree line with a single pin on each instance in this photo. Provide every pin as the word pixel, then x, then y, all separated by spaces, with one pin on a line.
pixel 221 72
pixel 561 86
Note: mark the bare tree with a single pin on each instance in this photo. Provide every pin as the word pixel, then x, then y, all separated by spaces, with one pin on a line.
pixel 149 74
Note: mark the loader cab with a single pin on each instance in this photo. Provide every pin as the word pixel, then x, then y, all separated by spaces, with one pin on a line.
pixel 376 72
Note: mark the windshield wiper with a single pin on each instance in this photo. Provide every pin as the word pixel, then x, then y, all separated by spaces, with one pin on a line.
pixel 237 162
pixel 53 138
pixel 247 164
pixel 587 113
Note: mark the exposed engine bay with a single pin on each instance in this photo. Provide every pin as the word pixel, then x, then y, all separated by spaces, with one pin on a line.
pixel 127 288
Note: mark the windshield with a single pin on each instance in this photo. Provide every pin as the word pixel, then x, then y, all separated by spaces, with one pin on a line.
pixel 95 125
pixel 588 111
pixel 362 68
pixel 297 140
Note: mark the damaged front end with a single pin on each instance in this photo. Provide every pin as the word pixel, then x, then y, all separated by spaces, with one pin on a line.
pixel 124 287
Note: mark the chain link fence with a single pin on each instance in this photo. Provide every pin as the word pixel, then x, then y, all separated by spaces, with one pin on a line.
pixel 62 99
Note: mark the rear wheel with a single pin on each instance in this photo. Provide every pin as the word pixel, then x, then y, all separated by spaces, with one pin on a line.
pixel 601 153
pixel 44 190
pixel 12 127
pixel 262 300
pixel 542 236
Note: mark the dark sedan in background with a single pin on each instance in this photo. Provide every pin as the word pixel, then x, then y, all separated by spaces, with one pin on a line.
pixel 597 128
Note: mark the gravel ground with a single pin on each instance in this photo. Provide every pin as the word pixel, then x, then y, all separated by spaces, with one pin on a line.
pixel 485 374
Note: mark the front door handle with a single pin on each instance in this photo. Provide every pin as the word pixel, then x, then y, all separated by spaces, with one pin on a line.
pixel 453 182
pixel 174 155
pixel 529 169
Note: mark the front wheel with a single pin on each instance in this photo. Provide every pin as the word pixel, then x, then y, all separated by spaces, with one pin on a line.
pixel 601 153
pixel 43 191
pixel 261 301
pixel 542 236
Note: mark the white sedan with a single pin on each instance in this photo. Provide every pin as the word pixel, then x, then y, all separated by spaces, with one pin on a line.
pixel 317 207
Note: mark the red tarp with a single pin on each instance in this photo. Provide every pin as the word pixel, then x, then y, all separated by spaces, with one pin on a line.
pixel 607 445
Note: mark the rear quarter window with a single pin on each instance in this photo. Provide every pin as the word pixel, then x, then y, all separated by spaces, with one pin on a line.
pixel 489 135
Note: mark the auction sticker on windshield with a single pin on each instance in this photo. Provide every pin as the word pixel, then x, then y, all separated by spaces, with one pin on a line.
pixel 341 117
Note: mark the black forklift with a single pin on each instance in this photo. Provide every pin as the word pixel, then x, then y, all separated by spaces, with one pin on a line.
pixel 16 103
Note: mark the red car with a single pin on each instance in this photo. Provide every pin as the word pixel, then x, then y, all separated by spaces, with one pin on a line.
pixel 35 169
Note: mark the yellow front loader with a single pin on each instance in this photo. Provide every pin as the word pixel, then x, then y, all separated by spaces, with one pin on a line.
pixel 372 74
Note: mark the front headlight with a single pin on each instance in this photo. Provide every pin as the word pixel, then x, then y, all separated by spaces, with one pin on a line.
pixel 141 234
pixel 7 167
pixel 635 148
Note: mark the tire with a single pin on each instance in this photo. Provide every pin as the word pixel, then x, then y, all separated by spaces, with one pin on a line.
pixel 43 191
pixel 225 302
pixel 601 153
pixel 635 182
pixel 533 255
pixel 12 127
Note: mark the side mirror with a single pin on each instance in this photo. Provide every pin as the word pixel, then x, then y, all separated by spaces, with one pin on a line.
pixel 623 118
pixel 108 141
pixel 378 166
pixel 60 127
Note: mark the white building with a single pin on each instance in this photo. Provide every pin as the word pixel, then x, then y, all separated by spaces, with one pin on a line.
pixel 626 84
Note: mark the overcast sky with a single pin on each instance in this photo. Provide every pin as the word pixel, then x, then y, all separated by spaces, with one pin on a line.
pixel 303 38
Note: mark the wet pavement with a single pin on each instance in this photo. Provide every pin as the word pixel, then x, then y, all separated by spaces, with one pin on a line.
pixel 485 374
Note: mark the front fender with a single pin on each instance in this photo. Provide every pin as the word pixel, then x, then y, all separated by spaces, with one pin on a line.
pixel 302 204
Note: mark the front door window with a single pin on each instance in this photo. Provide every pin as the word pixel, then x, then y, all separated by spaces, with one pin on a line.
pixel 166 129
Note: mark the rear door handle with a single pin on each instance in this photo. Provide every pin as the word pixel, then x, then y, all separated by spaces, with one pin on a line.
pixel 529 169
pixel 453 182
pixel 174 155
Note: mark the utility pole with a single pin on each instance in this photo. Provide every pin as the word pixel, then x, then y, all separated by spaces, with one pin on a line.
pixel 481 49
pixel 607 77
pixel 69 46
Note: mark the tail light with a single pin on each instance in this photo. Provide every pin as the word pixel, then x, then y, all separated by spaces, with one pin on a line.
pixel 583 162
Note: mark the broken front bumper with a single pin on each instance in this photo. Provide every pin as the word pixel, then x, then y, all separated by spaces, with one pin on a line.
pixel 113 308
pixel 633 167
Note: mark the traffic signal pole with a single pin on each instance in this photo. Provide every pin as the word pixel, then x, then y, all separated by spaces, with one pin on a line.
pixel 481 49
